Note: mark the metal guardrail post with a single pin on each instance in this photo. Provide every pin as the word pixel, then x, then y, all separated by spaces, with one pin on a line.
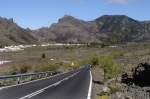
pixel 39 75
pixel 46 75
pixel 18 80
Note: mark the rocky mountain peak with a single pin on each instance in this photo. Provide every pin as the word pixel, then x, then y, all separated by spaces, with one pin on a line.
pixel 115 18
pixel 67 18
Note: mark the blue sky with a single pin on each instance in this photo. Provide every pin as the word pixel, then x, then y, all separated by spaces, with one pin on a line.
pixel 37 13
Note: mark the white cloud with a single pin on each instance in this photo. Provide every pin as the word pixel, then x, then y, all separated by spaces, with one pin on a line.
pixel 119 1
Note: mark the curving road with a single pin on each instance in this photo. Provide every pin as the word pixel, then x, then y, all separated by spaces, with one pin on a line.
pixel 72 85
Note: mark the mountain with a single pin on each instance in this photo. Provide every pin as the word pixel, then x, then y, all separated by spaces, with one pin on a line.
pixel 69 29
pixel 121 28
pixel 107 28
pixel 12 34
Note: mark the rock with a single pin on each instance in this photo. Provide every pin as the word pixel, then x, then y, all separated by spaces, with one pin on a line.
pixel 105 89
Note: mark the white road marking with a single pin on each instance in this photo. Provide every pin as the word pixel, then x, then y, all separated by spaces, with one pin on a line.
pixel 90 87
pixel 42 90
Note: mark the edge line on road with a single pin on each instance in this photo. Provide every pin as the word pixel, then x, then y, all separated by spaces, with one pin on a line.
pixel 90 86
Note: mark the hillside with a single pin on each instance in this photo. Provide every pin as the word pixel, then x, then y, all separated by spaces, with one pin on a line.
pixel 107 28
pixel 11 33
pixel 69 29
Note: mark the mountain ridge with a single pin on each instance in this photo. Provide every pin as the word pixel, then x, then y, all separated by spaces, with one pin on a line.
pixel 68 29
pixel 12 34
pixel 107 28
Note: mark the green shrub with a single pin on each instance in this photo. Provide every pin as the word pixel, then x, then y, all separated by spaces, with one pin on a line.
pixel 24 69
pixel 94 61
pixel 103 97
pixel 43 56
pixel 18 69
pixel 12 71
pixel 110 67
pixel 1 46
pixel 44 68
pixel 103 45
pixel 114 88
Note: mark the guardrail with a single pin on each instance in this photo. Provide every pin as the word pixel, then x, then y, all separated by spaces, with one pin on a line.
pixel 19 77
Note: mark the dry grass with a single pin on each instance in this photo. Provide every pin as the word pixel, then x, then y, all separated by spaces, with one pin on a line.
pixel 64 56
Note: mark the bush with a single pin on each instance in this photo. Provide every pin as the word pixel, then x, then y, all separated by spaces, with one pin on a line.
pixel 110 67
pixel 1 46
pixel 24 69
pixel 114 88
pixel 12 71
pixel 18 70
pixel 43 56
pixel 94 61
pixel 103 45
pixel 103 97
pixel 44 68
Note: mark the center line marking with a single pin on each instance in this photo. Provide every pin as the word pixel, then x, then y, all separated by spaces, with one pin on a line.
pixel 42 90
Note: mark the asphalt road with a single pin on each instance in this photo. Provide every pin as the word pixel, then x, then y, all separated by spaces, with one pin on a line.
pixel 71 85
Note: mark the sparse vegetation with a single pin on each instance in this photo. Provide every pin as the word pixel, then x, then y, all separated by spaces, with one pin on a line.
pixel 44 68
pixel 110 67
pixel 24 69
pixel 118 54
pixel 43 56
pixel 1 46
pixel 104 97
pixel 13 70
pixel 114 87
pixel 110 60
pixel 108 64
pixel 94 61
